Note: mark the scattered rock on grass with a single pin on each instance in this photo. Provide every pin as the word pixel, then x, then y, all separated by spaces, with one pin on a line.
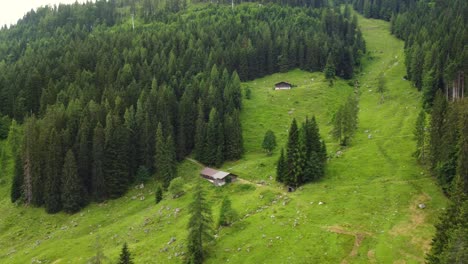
pixel 172 240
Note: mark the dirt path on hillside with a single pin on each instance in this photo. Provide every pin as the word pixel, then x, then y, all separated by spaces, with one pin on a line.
pixel 417 219
pixel 358 238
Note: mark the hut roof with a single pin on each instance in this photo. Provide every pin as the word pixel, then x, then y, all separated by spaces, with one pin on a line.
pixel 215 174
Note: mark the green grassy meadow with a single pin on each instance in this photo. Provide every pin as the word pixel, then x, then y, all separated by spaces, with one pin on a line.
pixel 369 196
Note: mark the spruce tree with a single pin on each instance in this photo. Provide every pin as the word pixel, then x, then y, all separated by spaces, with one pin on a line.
pixel 71 185
pixel 338 127
pixel 125 257
pixel 227 215
pixel 294 157
pixel 17 183
pixel 269 142
pixel 381 83
pixel 83 154
pixel 52 200
pixel 463 148
pixel 200 226
pixel 116 161
pixel 438 116
pixel 158 193
pixel 281 168
pixel 98 183
pixel 131 126
pixel 329 69
pixel 233 136
pixel 200 135
pixel 214 139
pixel 420 136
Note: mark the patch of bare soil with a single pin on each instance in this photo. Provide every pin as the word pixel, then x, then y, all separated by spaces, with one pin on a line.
pixel 417 219
pixel 371 256
pixel 358 238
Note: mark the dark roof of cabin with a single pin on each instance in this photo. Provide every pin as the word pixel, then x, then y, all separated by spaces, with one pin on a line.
pixel 283 84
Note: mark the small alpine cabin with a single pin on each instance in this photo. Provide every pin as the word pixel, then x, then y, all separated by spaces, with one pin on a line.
pixel 218 178
pixel 283 86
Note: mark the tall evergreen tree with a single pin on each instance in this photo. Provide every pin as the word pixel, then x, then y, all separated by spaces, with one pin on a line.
pixel 17 183
pixel 200 226
pixel 200 135
pixel 436 128
pixel 158 193
pixel 98 183
pixel 294 157
pixel 125 257
pixel 281 168
pixel 420 136
pixel 227 215
pixel 116 161
pixel 269 142
pixel 71 185
pixel 53 170
pixel 463 149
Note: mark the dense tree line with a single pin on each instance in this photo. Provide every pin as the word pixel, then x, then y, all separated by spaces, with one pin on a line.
pixel 383 9
pixel 435 47
pixel 98 106
pixel 435 41
pixel 305 157
pixel 448 159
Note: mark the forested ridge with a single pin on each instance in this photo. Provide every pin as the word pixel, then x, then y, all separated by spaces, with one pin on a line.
pixel 436 40
pixel 103 102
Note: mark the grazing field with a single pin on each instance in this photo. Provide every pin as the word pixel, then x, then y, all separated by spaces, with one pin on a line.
pixel 363 211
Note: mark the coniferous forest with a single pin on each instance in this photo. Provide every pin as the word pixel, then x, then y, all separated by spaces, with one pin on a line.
pixel 98 106
pixel 101 96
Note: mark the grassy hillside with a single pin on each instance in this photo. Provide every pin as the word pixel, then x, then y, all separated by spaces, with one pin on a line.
pixel 369 195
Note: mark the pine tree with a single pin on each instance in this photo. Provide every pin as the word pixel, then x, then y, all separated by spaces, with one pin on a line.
pixel 125 257
pixel 281 168
pixel 294 157
pixel 71 185
pixel 131 126
pixel 436 128
pixel 215 140
pixel 83 154
pixel 381 86
pixel 159 156
pixel 200 135
pixel 314 168
pixel 54 161
pixel 200 226
pixel 17 183
pixel 420 136
pixel 98 183
pixel 269 142
pixel 233 136
pixel 329 69
pixel 227 215
pixel 158 193
pixel 116 161
pixel 463 148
